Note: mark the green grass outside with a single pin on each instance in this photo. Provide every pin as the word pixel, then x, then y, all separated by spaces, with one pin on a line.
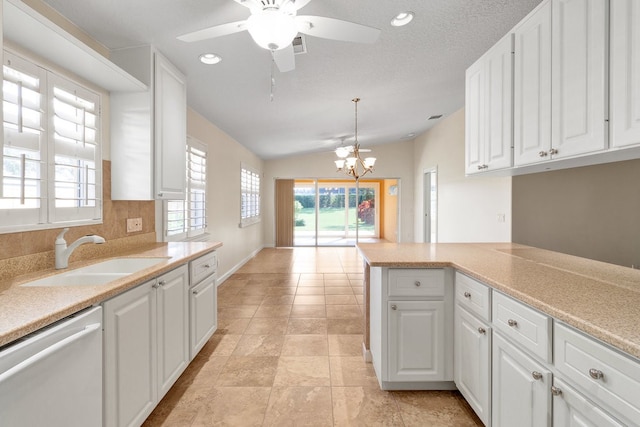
pixel 331 219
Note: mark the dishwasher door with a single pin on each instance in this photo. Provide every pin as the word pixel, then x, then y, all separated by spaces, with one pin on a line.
pixel 54 376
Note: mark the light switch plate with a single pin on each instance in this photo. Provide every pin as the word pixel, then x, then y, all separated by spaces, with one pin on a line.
pixel 134 224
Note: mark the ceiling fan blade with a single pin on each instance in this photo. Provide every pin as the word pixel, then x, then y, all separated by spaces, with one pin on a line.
pixel 212 32
pixel 297 4
pixel 336 29
pixel 251 4
pixel 284 59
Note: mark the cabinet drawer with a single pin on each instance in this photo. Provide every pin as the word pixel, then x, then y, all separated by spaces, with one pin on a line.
pixel 608 377
pixel 524 325
pixel 203 267
pixel 473 295
pixel 416 282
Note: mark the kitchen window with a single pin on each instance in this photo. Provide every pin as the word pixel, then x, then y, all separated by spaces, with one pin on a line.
pixel 249 196
pixel 186 219
pixel 51 156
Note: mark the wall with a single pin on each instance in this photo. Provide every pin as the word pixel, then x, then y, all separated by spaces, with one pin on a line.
pixel 468 208
pixel 592 211
pixel 223 194
pixel 390 211
pixel 395 160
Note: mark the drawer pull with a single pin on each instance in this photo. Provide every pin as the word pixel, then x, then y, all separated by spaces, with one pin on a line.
pixel 467 295
pixel 512 323
pixel 596 374
pixel 417 283
pixel 207 266
pixel 482 330
pixel 196 292
pixel 162 283
pixel 536 375
pixel 394 307
pixel 556 391
pixel 543 154
pixel 553 151
pixel 155 286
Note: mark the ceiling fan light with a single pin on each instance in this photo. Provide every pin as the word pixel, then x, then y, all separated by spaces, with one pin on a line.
pixel 342 152
pixel 272 29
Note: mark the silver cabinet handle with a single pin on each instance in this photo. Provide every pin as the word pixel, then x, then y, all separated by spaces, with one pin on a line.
pixel 512 323
pixel 596 374
pixel 482 330
pixel 467 294
pixel 417 283
pixel 556 391
pixel 207 266
pixel 196 292
pixel 162 283
pixel 155 286
pixel 553 151
pixel 536 375
pixel 394 307
pixel 543 154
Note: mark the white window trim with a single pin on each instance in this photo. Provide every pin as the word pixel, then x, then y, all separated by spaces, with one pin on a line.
pixel 47 208
pixel 253 219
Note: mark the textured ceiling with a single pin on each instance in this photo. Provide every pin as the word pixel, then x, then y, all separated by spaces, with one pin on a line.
pixel 409 74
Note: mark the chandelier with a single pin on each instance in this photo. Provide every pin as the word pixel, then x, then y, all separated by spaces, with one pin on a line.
pixel 349 160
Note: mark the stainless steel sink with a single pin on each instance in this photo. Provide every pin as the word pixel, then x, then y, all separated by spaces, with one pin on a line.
pixel 99 273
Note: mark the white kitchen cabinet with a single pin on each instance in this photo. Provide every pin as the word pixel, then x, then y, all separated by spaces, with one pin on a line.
pixel 624 75
pixel 579 69
pixel 472 361
pixel 411 321
pixel 202 301
pixel 520 388
pixel 571 408
pixel 148 129
pixel 489 110
pixel 145 346
pixel 532 86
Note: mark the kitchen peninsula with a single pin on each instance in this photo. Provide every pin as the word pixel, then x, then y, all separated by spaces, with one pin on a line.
pixel 542 325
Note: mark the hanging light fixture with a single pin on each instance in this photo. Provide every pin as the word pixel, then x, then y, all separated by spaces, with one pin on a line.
pixel 349 160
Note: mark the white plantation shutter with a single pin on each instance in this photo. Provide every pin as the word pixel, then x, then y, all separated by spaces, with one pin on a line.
pixel 187 218
pixel 76 151
pixel 51 156
pixel 23 191
pixel 249 196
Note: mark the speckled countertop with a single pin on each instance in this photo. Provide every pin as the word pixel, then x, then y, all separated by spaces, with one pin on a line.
pixel 600 299
pixel 27 309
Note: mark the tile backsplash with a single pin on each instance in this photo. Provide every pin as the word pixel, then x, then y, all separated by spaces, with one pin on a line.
pixel 33 250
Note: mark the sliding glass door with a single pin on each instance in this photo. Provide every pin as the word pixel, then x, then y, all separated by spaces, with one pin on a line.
pixel 335 213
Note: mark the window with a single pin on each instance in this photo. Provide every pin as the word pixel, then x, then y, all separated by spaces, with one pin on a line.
pixel 187 218
pixel 51 156
pixel 249 196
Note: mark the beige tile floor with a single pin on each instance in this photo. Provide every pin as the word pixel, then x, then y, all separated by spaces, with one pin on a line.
pixel 287 352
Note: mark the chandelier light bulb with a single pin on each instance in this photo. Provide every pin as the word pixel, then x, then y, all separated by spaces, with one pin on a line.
pixel 272 29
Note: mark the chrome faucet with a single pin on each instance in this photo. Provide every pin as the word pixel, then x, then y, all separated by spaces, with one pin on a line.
pixel 63 252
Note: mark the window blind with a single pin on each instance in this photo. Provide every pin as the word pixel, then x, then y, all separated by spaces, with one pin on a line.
pixel 250 196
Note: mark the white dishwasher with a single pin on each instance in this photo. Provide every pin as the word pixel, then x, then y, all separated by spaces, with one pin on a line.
pixel 53 377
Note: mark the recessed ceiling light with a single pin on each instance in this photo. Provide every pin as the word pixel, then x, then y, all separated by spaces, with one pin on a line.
pixel 210 58
pixel 401 19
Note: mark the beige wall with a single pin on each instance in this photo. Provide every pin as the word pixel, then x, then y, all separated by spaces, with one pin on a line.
pixel 223 194
pixel 593 211
pixel 395 160
pixel 468 208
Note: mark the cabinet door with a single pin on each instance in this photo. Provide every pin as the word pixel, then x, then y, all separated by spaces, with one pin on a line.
pixel 416 341
pixel 572 409
pixel 472 362
pixel 474 117
pixel 521 388
pixel 624 74
pixel 170 125
pixel 130 376
pixel 499 104
pixel 579 65
pixel 203 314
pixel 173 327
pixel 532 87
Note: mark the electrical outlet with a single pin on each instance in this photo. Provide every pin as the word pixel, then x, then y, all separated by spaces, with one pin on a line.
pixel 134 224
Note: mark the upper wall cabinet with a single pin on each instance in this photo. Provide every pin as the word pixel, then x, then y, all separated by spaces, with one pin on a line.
pixel 488 110
pixel 625 73
pixel 148 129
pixel 560 81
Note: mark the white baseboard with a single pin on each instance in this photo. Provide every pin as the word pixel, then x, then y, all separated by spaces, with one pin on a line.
pixel 366 354
pixel 238 266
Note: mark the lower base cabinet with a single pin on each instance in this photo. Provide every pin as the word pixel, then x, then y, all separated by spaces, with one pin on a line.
pixel 570 408
pixel 472 361
pixel 521 388
pixel 146 347
pixel 203 312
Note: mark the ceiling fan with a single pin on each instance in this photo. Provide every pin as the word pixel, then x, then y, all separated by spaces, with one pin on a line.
pixel 273 24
